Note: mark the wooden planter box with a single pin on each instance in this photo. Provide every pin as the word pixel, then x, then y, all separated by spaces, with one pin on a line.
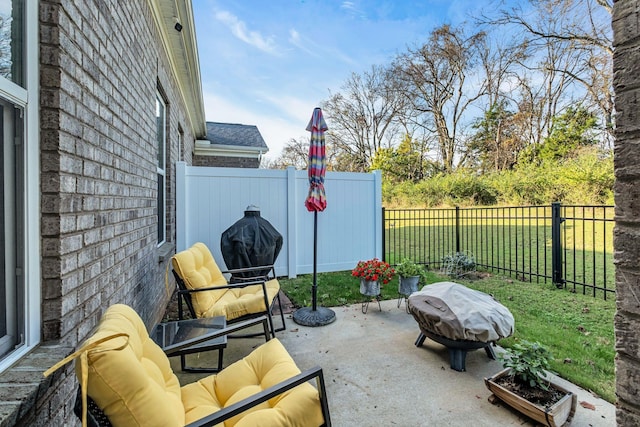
pixel 559 414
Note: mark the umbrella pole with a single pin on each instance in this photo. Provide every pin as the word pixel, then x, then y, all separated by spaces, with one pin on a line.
pixel 314 289
pixel 314 316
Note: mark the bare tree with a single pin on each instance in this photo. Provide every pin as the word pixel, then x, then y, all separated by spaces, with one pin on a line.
pixel 500 63
pixel 295 153
pixel 576 38
pixel 496 143
pixel 545 86
pixel 433 79
pixel 363 117
pixel 556 55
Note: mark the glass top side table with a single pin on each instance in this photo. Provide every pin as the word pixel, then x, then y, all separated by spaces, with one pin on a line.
pixel 175 339
pixel 182 337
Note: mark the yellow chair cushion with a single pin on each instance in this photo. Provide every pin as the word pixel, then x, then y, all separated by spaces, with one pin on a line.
pixel 266 366
pixel 241 301
pixel 198 269
pixel 126 373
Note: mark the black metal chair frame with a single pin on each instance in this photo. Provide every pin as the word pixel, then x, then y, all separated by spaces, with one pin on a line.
pixel 184 294
pixel 97 418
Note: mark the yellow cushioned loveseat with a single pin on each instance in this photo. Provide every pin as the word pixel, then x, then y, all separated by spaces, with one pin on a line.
pixel 130 379
pixel 207 294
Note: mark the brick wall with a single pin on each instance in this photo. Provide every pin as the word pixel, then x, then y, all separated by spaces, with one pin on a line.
pixel 226 162
pixel 101 62
pixel 626 63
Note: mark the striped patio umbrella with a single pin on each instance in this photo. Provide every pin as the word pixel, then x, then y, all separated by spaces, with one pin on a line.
pixel 315 202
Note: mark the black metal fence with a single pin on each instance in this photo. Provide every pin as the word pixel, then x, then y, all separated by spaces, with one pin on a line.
pixel 568 245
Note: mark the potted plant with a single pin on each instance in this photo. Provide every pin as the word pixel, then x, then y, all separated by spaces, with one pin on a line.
pixel 524 386
pixel 410 274
pixel 373 273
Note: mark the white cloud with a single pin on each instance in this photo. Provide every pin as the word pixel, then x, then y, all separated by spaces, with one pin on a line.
pixel 296 40
pixel 296 109
pixel 316 49
pixel 276 127
pixel 253 38
pixel 351 7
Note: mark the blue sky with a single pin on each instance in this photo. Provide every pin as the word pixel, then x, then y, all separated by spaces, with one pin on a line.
pixel 269 63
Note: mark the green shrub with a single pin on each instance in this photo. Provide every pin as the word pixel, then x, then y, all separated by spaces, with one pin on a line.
pixel 586 178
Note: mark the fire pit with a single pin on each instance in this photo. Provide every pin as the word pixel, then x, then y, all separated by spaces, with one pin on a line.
pixel 459 318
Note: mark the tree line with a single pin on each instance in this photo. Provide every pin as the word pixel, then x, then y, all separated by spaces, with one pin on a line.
pixel 514 87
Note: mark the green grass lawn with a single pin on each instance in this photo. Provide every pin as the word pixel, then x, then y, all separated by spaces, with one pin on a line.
pixel 577 329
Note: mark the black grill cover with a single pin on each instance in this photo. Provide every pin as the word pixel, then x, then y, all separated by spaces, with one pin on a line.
pixel 251 242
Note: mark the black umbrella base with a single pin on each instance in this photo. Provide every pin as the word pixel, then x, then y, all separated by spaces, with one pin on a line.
pixel 306 316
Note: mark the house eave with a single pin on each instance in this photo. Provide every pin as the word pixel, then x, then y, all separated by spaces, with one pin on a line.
pixel 182 51
pixel 205 148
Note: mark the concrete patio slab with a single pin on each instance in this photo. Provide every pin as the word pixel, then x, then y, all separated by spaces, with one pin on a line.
pixel 376 376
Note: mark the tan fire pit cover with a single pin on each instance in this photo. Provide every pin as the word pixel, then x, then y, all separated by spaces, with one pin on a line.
pixel 459 313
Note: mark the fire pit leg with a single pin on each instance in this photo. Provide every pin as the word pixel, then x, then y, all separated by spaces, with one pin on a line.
pixel 457 358
pixel 490 352
pixel 457 349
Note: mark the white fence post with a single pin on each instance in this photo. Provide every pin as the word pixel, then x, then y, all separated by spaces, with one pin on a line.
pixel 292 222
pixel 181 206
pixel 377 197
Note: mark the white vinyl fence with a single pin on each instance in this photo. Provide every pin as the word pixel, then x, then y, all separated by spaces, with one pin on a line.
pixel 209 200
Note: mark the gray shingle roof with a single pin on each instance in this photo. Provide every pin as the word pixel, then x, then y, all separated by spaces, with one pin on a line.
pixel 235 134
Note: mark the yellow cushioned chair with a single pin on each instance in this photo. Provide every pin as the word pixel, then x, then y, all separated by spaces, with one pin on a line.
pixel 206 292
pixel 128 381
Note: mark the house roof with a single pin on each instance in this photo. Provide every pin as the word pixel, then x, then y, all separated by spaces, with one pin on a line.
pixel 235 134
pixel 232 139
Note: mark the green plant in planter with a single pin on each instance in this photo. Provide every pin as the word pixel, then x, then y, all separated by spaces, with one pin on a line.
pixel 408 268
pixel 528 362
pixel 524 385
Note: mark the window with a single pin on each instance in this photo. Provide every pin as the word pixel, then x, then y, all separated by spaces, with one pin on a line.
pixel 11 41
pixel 19 190
pixel 12 294
pixel 161 135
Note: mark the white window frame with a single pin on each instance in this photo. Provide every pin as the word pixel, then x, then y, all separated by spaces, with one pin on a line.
pixel 28 100
pixel 180 144
pixel 161 140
